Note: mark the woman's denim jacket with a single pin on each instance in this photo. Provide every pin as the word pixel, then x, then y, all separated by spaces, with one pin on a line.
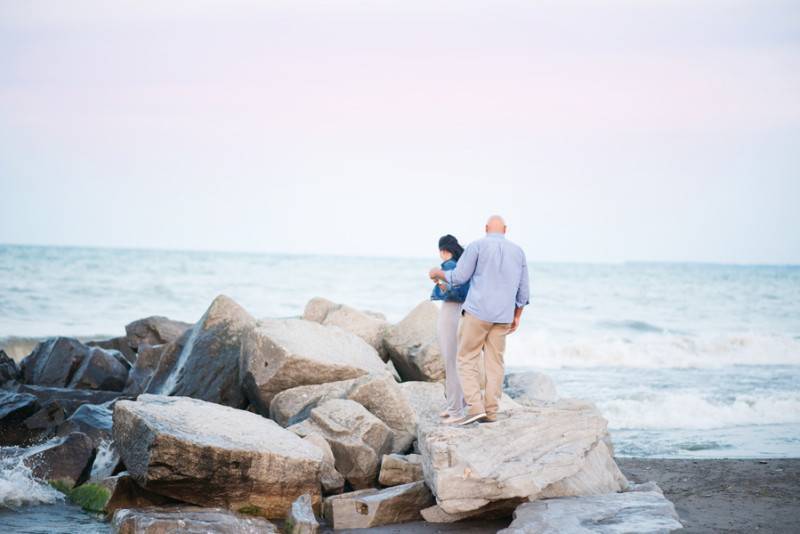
pixel 454 294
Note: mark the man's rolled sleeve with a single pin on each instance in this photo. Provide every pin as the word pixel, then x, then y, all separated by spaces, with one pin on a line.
pixel 464 268
pixel 523 291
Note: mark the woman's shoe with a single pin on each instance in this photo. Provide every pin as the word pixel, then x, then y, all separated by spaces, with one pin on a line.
pixel 444 415
pixel 450 419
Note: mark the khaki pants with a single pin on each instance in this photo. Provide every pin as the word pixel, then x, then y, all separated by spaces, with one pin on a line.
pixel 476 335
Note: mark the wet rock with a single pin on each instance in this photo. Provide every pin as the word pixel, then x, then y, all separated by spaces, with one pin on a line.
pixel 282 354
pixel 380 394
pixel 140 375
pixel 212 455
pixel 332 480
pixel 120 344
pixel 9 371
pixel 14 409
pixel 427 401
pixel 187 520
pixel 357 438
pixel 367 326
pixel 530 385
pixel 154 330
pixel 65 461
pixel 397 469
pixel 301 518
pixel 372 507
pixel 413 346
pixel 53 362
pixel 160 379
pixel 518 456
pixel 101 369
pixel 69 399
pixel 93 420
pixel 207 367
pixel 43 423
pixel 121 491
pixel 632 511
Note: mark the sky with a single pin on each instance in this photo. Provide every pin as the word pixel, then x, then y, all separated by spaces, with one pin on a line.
pixel 602 131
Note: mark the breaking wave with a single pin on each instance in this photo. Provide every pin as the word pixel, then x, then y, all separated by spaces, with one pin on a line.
pixel 652 350
pixel 18 486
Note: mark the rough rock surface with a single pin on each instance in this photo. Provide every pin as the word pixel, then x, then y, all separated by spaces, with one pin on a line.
pixel 143 369
pixel 154 330
pixel 94 420
pixel 493 510
pixel 332 480
pixel 67 460
pixel 101 369
pixel 207 367
pixel 119 344
pixel 8 368
pixel 630 511
pixel 380 394
pixel 372 507
pixel 286 353
pixel 426 399
pixel 69 399
pixel 357 438
pixel 187 520
pixel 413 346
pixel 123 492
pixel 365 325
pixel 397 469
pixel 530 385
pixel 518 456
pixel 53 362
pixel 212 455
pixel 14 409
pixel 301 518
pixel 599 474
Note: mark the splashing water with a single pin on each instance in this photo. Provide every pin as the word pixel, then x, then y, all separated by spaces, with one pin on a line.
pixel 106 460
pixel 18 486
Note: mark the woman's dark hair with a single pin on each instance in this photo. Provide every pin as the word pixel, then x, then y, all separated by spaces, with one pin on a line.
pixel 451 245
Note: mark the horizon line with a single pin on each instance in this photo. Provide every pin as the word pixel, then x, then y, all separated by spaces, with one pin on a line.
pixel 389 256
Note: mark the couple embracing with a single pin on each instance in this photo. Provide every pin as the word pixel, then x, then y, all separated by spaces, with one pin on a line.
pixel 483 288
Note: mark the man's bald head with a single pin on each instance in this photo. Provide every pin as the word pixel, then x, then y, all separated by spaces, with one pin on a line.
pixel 496 224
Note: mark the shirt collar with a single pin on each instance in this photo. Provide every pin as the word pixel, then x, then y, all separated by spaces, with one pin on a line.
pixel 495 234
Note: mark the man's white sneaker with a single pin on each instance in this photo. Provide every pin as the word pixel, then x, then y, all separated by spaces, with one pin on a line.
pixel 467 419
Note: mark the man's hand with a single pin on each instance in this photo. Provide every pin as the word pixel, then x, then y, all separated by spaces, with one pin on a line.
pixel 436 274
pixel 515 323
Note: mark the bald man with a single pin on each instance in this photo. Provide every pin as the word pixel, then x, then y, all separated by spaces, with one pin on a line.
pixel 497 272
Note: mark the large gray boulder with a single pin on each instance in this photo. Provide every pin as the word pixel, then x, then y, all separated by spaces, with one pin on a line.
pixel 187 520
pixel 285 353
pixel 397 469
pixel 154 330
pixel 301 518
pixel 427 401
pixel 101 369
pixel 372 507
pixel 413 346
pixel 53 362
pixel 525 454
pixel 380 394
pixel 645 512
pixel 207 367
pixel 212 455
pixel 119 344
pixel 365 325
pixel 332 480
pixel 357 438
pixel 94 420
pixel 530 386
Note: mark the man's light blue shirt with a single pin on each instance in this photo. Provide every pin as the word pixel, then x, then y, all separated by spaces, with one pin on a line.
pixel 497 272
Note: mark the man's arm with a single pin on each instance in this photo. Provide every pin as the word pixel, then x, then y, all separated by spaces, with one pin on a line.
pixel 463 271
pixel 523 295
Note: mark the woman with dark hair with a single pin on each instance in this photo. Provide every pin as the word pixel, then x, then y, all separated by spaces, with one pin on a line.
pixel 452 299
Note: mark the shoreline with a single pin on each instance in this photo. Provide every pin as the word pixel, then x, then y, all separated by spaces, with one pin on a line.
pixel 710 495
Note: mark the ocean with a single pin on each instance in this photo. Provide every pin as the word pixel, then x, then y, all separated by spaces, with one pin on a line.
pixel 684 360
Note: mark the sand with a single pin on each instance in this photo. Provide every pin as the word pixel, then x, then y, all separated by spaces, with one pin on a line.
pixel 717 496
